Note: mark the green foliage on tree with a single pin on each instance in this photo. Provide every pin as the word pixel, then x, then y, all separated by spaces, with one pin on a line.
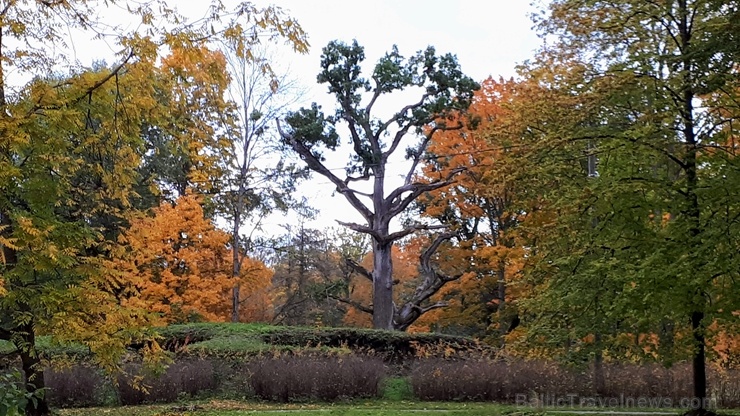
pixel 634 138
pixel 13 395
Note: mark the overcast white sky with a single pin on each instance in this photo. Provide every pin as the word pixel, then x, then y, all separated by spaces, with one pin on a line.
pixel 489 37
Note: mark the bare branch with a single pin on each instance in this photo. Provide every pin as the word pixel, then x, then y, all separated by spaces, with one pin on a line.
pixel 423 146
pixel 432 283
pixel 417 158
pixel 398 205
pixel 357 267
pixel 114 73
pixel 356 139
pixel 376 94
pixel 431 307
pixel 356 305
pixel 361 229
pixel 365 176
pixel 315 165
pixel 410 230
pixel 422 187
pixel 426 256
pixel 396 140
pixel 398 115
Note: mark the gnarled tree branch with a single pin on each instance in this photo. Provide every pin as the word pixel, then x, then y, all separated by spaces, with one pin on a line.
pixel 315 164
pixel 432 282
pixel 352 303
pixel 361 229
pixel 357 267
pixel 399 204
pixel 410 230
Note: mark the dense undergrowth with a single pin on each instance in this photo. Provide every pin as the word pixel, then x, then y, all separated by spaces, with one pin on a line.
pixel 287 364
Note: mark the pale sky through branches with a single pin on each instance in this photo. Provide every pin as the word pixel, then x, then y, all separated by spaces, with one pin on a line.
pixel 489 38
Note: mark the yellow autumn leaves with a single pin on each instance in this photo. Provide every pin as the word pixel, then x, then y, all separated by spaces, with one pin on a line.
pixel 180 264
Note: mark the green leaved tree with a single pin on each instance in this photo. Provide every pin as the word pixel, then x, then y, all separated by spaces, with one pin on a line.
pixel 634 137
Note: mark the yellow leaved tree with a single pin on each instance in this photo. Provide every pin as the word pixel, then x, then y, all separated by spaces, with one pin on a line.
pixel 71 148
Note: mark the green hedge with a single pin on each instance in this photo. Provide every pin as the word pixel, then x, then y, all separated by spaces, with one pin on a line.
pixel 249 339
pixel 246 340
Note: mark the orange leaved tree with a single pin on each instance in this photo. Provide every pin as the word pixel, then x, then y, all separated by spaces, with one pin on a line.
pixel 179 261
pixel 482 207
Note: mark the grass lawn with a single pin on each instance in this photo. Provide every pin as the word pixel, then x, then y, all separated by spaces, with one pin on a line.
pixel 234 408
pixel 357 408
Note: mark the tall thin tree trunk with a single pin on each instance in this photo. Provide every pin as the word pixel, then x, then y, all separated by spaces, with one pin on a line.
pixel 599 380
pixel 302 265
pixel 503 321
pixel 692 211
pixel 235 303
pixel 698 361
pixel 236 264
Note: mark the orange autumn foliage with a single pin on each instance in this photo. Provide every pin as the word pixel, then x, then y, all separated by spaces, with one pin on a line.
pixel 180 264
pixel 483 206
pixel 725 343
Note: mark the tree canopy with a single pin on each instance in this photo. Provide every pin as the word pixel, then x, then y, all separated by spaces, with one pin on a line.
pixel 634 126
pixel 72 151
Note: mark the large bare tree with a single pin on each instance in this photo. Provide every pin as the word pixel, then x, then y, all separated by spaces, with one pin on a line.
pixel 443 95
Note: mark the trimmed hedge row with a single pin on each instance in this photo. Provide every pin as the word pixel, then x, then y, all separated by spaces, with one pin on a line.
pixel 247 339
pixel 547 384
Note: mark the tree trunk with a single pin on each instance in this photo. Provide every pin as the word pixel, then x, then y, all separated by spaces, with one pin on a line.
pixel 693 210
pixel 382 286
pixel 236 263
pixel 235 303
pixel 698 361
pixel 599 381
pixel 503 321
pixel 33 371
pixel 407 315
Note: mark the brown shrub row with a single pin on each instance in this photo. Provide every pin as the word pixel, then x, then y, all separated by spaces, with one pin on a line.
pixel 297 378
pixel 547 384
pixel 283 378
pixel 328 379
